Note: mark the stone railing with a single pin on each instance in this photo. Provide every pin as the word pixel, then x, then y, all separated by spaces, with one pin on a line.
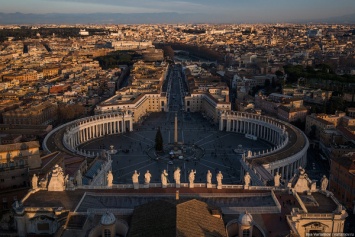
pixel 298 198
pixel 276 200
pixel 159 185
pixel 251 210
pixel 115 211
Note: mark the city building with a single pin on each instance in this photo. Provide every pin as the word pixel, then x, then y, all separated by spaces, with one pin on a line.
pixel 316 123
pixel 342 179
pixel 15 161
pixel 43 113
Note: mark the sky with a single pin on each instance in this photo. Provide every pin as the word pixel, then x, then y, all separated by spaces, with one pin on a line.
pixel 246 10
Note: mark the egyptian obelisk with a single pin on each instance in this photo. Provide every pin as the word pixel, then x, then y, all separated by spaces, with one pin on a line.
pixel 176 130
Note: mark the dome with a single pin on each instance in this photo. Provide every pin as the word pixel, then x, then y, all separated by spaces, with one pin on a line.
pixel 108 219
pixel 245 219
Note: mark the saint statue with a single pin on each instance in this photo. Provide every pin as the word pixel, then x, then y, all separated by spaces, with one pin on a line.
pixel 109 178
pixel 277 179
pixel 324 183
pixel 164 178
pixel 57 179
pixel 60 176
pixel 79 178
pixel 247 179
pixel 219 178
pixel 135 177
pixel 34 181
pixel 192 176
pixel 177 175
pixel 147 177
pixel 209 177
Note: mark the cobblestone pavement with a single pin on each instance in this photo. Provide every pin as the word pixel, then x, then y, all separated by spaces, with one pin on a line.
pixel 217 147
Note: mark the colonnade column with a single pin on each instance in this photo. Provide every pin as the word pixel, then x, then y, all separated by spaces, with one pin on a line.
pixel 283 172
pixel 287 167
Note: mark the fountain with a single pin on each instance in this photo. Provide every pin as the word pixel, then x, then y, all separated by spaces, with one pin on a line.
pixel 112 151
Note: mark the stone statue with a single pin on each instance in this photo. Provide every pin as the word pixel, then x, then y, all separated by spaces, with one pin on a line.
pixel 192 178
pixel 177 176
pixel 60 175
pixel 324 183
pixel 209 177
pixel 135 177
pixel 109 179
pixel 43 182
pixel 79 178
pixel 135 180
pixel 277 179
pixel 57 182
pixel 219 178
pixel 66 180
pixel 147 177
pixel 302 183
pixel 70 184
pixel 247 179
pixel 164 178
pixel 34 181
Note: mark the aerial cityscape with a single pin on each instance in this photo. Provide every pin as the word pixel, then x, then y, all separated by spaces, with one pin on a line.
pixel 177 118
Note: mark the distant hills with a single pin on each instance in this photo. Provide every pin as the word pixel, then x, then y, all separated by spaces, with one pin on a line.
pixel 144 18
pixel 96 18
pixel 346 19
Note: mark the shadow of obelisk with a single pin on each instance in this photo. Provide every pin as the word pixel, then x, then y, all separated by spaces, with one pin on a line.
pixel 176 130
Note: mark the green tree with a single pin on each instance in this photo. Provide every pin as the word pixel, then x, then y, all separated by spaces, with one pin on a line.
pixel 312 133
pixel 70 112
pixel 313 109
pixel 158 141
pixel 168 52
pixel 279 74
pixel 267 83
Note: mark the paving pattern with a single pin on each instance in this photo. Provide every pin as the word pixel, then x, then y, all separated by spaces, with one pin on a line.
pixel 217 147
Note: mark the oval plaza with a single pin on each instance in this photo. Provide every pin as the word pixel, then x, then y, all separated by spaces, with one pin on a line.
pixel 287 155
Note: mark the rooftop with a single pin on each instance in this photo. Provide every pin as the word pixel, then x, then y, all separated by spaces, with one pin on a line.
pixel 176 218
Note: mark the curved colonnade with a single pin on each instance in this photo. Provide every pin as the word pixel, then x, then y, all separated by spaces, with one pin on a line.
pixel 290 145
pixel 289 151
pixel 83 130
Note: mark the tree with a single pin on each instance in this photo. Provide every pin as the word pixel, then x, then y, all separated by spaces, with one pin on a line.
pixel 158 141
pixel 70 112
pixel 267 83
pixel 273 83
pixel 313 132
pixel 168 52
pixel 279 74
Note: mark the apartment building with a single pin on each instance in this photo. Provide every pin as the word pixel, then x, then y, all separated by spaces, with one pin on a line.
pixel 318 122
pixel 342 179
pixel 34 114
pixel 15 160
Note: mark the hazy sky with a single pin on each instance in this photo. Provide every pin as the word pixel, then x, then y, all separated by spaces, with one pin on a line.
pixel 256 10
